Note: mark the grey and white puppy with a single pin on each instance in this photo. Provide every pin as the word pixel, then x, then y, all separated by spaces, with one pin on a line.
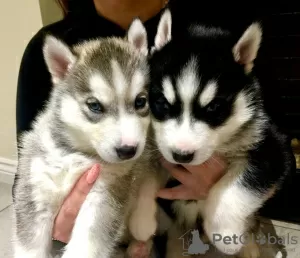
pixel 97 113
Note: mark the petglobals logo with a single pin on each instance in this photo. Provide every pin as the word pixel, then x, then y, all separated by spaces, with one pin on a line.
pixel 192 243
pixel 259 239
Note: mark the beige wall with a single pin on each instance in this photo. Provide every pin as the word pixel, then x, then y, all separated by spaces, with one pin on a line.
pixel 19 21
pixel 50 11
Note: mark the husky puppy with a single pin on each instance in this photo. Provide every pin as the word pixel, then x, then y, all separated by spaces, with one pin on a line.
pixel 97 113
pixel 205 100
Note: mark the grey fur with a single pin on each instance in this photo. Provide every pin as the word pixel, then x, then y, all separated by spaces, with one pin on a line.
pixel 36 201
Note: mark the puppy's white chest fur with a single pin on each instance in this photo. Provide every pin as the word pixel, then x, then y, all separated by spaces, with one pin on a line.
pixel 54 177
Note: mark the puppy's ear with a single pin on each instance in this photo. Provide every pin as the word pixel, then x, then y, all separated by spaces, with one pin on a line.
pixel 245 50
pixel 164 31
pixel 137 36
pixel 58 57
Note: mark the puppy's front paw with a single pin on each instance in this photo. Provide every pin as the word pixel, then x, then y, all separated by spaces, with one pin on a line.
pixel 250 250
pixel 228 239
pixel 82 250
pixel 142 225
pixel 139 249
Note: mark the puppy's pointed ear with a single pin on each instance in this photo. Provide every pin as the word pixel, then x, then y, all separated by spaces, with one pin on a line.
pixel 164 30
pixel 245 50
pixel 137 36
pixel 58 57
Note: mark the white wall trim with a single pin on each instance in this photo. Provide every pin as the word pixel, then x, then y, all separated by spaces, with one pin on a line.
pixel 8 168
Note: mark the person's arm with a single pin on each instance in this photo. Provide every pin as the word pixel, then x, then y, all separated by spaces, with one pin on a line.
pixel 34 84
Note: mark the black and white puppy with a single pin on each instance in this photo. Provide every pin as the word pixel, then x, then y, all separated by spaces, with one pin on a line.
pixel 205 100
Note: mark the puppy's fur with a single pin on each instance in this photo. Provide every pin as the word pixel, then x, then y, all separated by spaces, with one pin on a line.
pixel 97 107
pixel 205 100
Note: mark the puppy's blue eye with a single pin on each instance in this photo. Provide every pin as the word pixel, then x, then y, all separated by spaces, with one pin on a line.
pixel 94 105
pixel 140 102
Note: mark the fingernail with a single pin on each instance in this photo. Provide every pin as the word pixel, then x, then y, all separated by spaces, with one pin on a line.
pixel 93 174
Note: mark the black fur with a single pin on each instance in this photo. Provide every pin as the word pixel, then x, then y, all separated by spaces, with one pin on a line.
pixel 271 159
pixel 215 61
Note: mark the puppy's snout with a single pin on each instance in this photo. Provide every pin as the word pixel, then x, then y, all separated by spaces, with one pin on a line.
pixel 183 157
pixel 126 152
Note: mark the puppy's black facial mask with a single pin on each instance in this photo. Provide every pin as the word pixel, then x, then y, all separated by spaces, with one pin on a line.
pixel 214 62
pixel 217 57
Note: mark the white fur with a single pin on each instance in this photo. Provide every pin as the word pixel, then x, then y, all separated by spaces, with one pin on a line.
pixel 119 80
pixel 245 50
pixel 83 242
pixel 189 213
pixel 228 207
pixel 183 141
pixel 197 136
pixel 55 177
pixel 143 222
pixel 58 58
pixel 188 83
pixel 137 36
pixel 164 31
pixel 183 137
pixel 130 133
pixel 127 129
pixel 208 94
pixel 70 112
pixel 168 90
pixel 102 91
pixel 241 114
pixel 51 169
pixel 86 135
pixel 137 84
pixel 20 252
pixel 48 142
pixel 229 204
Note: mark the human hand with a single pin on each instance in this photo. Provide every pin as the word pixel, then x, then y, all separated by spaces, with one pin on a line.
pixel 64 222
pixel 196 181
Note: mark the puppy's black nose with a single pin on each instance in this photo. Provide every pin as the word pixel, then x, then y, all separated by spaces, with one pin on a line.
pixel 183 157
pixel 126 152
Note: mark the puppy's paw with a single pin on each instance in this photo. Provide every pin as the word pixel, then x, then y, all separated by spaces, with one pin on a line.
pixel 139 249
pixel 279 254
pixel 142 225
pixel 250 250
pixel 228 239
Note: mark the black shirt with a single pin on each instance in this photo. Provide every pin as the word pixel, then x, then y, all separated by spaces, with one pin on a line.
pixel 83 23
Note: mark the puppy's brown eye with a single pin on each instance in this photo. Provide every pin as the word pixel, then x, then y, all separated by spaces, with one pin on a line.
pixel 94 105
pixel 140 102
